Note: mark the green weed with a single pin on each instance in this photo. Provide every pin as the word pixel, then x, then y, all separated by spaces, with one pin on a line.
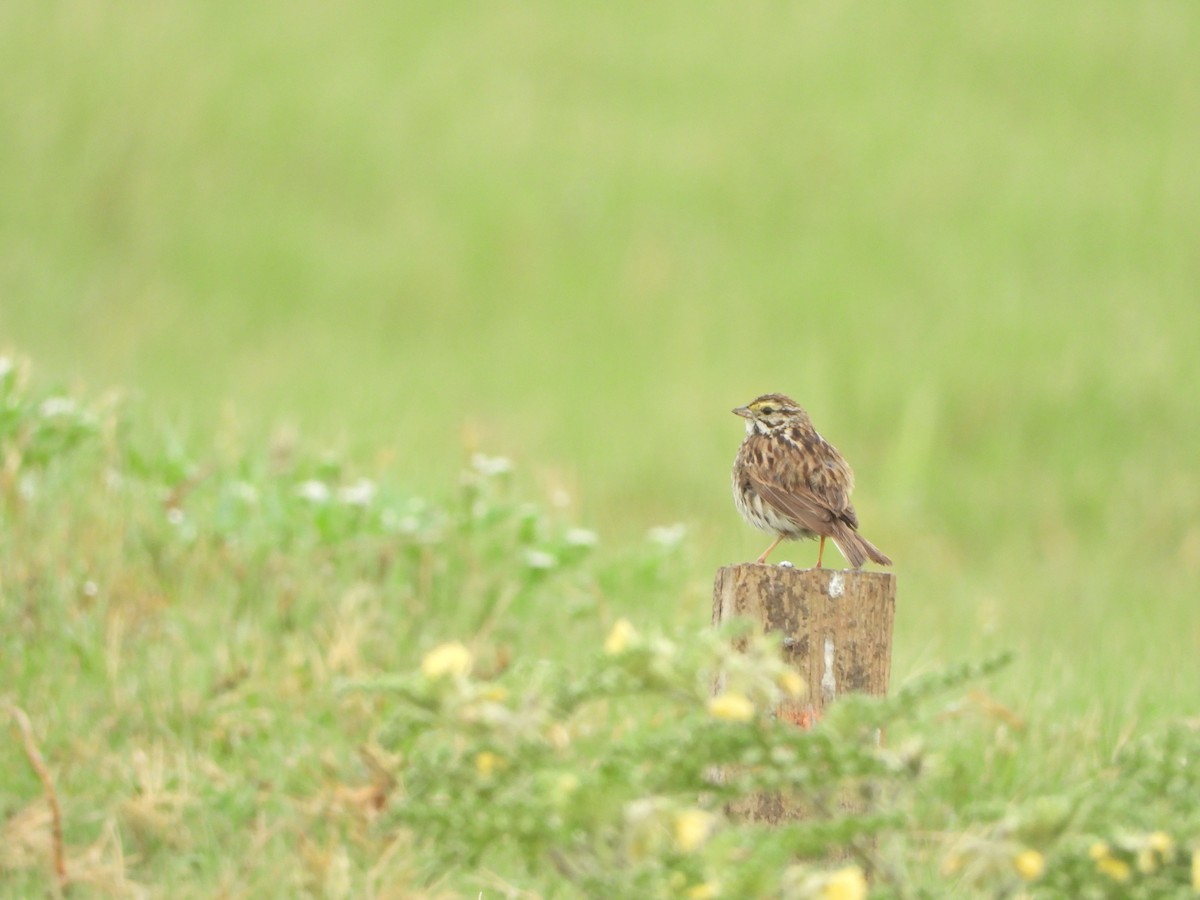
pixel 267 671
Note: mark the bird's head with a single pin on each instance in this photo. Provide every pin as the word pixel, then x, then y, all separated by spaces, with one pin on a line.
pixel 770 412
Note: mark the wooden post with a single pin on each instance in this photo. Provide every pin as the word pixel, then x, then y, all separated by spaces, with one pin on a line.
pixel 837 633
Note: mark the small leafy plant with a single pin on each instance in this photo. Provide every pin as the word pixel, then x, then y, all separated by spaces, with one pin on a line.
pixel 624 774
pixel 204 644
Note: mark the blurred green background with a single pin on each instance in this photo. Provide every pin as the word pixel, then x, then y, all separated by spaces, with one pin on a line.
pixel 966 237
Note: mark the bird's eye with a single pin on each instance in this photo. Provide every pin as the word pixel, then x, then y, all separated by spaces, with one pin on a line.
pixel 767 410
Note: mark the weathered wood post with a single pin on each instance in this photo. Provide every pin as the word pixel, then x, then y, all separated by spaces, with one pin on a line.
pixel 837 633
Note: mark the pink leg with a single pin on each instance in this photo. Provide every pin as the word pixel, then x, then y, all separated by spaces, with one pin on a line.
pixel 767 552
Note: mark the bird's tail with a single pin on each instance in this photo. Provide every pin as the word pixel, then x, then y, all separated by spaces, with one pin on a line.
pixel 857 548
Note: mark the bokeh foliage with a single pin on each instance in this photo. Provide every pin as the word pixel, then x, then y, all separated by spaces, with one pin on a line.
pixel 237 670
pixel 963 237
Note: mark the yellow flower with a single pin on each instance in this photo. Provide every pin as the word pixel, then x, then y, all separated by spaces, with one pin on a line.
pixel 792 684
pixel 692 828
pixel 1196 870
pixel 564 786
pixel 846 884
pixel 1157 847
pixel 1099 850
pixel 619 637
pixel 1030 864
pixel 447 659
pixel 1116 869
pixel 1160 842
pixel 558 735
pixel 705 890
pixel 732 706
pixel 487 762
pixel 495 693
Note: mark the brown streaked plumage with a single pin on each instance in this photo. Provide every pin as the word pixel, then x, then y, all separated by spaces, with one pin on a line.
pixel 791 482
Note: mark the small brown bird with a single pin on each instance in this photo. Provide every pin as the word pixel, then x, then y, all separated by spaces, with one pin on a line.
pixel 791 482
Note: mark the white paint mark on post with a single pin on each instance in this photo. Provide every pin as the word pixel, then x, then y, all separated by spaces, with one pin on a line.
pixel 828 681
pixel 837 584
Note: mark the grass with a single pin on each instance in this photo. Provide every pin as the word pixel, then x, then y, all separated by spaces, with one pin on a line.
pixel 961 237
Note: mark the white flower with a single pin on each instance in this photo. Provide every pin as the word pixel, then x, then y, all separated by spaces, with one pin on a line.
pixel 313 491
pixel 540 559
pixel 642 809
pixel 6 366
pixel 246 492
pixel 411 518
pixel 667 536
pixel 57 406
pixel 360 493
pixel 491 465
pixel 27 486
pixel 175 515
pixel 580 537
pixel 408 525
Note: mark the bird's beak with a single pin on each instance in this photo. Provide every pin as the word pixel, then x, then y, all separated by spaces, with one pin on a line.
pixel 742 411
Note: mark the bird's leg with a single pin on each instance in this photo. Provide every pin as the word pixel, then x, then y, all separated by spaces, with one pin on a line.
pixel 767 552
pixel 820 551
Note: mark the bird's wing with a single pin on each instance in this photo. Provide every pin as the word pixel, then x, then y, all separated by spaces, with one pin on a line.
pixel 816 494
pixel 831 479
pixel 832 483
pixel 798 503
